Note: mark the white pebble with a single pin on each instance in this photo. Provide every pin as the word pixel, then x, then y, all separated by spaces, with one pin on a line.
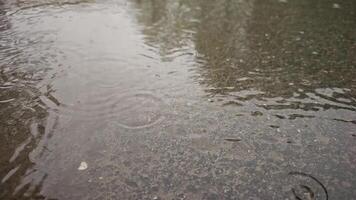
pixel 83 166
pixel 335 5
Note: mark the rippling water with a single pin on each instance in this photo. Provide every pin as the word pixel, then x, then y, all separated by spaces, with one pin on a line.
pixel 168 99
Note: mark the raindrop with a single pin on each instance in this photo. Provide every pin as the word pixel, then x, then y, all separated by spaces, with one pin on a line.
pixel 306 186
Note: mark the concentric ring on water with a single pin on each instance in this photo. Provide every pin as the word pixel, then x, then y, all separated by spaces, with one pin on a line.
pixel 129 110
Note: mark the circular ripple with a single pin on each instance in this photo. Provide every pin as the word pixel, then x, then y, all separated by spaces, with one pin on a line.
pixel 306 187
pixel 131 111
pixel 137 111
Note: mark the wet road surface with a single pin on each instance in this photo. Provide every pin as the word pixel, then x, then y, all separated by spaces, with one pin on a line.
pixel 178 99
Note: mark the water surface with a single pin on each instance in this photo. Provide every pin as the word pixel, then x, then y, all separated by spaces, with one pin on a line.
pixel 178 99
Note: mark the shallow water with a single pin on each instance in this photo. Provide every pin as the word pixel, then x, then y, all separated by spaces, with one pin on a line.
pixel 168 99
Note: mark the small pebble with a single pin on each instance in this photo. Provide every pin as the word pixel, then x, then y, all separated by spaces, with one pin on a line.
pixel 83 166
pixel 335 5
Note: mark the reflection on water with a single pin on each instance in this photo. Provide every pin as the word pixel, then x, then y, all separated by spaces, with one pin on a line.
pixel 177 99
pixel 22 125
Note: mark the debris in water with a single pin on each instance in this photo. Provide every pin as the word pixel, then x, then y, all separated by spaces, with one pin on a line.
pixel 256 113
pixel 83 166
pixel 210 100
pixel 274 126
pixel 280 116
pixel 233 139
